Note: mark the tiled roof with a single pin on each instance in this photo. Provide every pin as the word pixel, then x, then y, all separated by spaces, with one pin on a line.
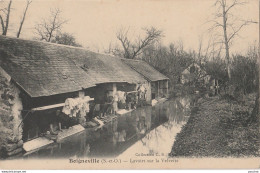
pixel 44 69
pixel 145 69
pixel 106 68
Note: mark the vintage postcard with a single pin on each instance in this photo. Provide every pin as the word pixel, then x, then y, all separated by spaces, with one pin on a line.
pixel 128 84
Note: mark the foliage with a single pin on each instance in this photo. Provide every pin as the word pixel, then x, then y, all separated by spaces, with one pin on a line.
pixel 66 39
pixel 244 73
pixel 216 68
pixel 170 61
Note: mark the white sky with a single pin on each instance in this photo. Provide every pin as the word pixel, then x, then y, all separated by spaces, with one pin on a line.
pixel 95 22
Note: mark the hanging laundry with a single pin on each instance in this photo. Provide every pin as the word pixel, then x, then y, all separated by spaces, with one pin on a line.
pixel 121 99
pixel 114 103
pixel 74 112
pixel 142 91
pixel 121 96
pixel 142 88
pixel 87 99
pixel 122 136
pixel 75 105
pixel 84 109
pixel 70 103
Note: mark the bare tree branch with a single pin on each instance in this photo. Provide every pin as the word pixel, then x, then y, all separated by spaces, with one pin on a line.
pixel 235 31
pixel 122 37
pixel 132 50
pixel 48 29
pixel 235 3
pixel 5 22
pixel 2 24
pixel 230 28
pixel 24 15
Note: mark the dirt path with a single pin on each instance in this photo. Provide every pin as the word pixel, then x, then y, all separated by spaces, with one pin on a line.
pixel 218 128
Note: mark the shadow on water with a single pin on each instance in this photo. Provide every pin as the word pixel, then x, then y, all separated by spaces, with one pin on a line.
pixel 148 130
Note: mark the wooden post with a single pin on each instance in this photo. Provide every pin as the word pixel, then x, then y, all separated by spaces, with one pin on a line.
pixel 167 88
pixel 149 93
pixel 158 89
pixel 136 96
pixel 217 86
pixel 81 94
pixel 114 89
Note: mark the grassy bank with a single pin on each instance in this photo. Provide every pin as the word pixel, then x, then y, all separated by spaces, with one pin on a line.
pixel 184 90
pixel 219 127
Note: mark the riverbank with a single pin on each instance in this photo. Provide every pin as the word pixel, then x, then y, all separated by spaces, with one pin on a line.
pixel 219 127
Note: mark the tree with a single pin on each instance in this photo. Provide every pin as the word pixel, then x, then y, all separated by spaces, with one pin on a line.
pixel 257 104
pixel 229 24
pixel 170 60
pixel 48 28
pixel 131 50
pixel 4 17
pixel 244 73
pixel 23 18
pixel 66 39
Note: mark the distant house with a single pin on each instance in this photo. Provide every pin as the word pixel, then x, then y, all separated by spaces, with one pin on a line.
pixel 158 83
pixel 194 73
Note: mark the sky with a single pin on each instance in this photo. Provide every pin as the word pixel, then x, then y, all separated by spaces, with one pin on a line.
pixel 94 23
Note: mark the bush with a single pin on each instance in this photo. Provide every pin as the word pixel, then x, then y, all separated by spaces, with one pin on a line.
pixel 244 73
pixel 240 116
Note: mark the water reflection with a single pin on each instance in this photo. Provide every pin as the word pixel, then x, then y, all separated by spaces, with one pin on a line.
pixel 148 129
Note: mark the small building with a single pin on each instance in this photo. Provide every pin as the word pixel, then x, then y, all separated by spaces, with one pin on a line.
pixel 157 86
pixel 194 73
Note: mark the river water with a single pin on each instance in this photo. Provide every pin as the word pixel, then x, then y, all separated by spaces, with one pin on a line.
pixel 146 130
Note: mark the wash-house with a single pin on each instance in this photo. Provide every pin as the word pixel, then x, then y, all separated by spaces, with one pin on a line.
pixel 46 86
pixel 157 82
pixel 40 80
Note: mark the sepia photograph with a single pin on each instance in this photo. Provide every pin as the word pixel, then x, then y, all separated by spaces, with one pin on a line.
pixel 128 84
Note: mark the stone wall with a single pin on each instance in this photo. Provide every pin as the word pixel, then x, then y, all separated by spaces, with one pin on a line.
pixel 10 118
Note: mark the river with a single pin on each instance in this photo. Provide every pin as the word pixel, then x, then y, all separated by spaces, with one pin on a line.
pixel 144 131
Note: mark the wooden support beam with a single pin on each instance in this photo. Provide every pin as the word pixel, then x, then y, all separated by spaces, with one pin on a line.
pixel 158 89
pixel 131 92
pixel 167 88
pixel 48 107
pixel 52 106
